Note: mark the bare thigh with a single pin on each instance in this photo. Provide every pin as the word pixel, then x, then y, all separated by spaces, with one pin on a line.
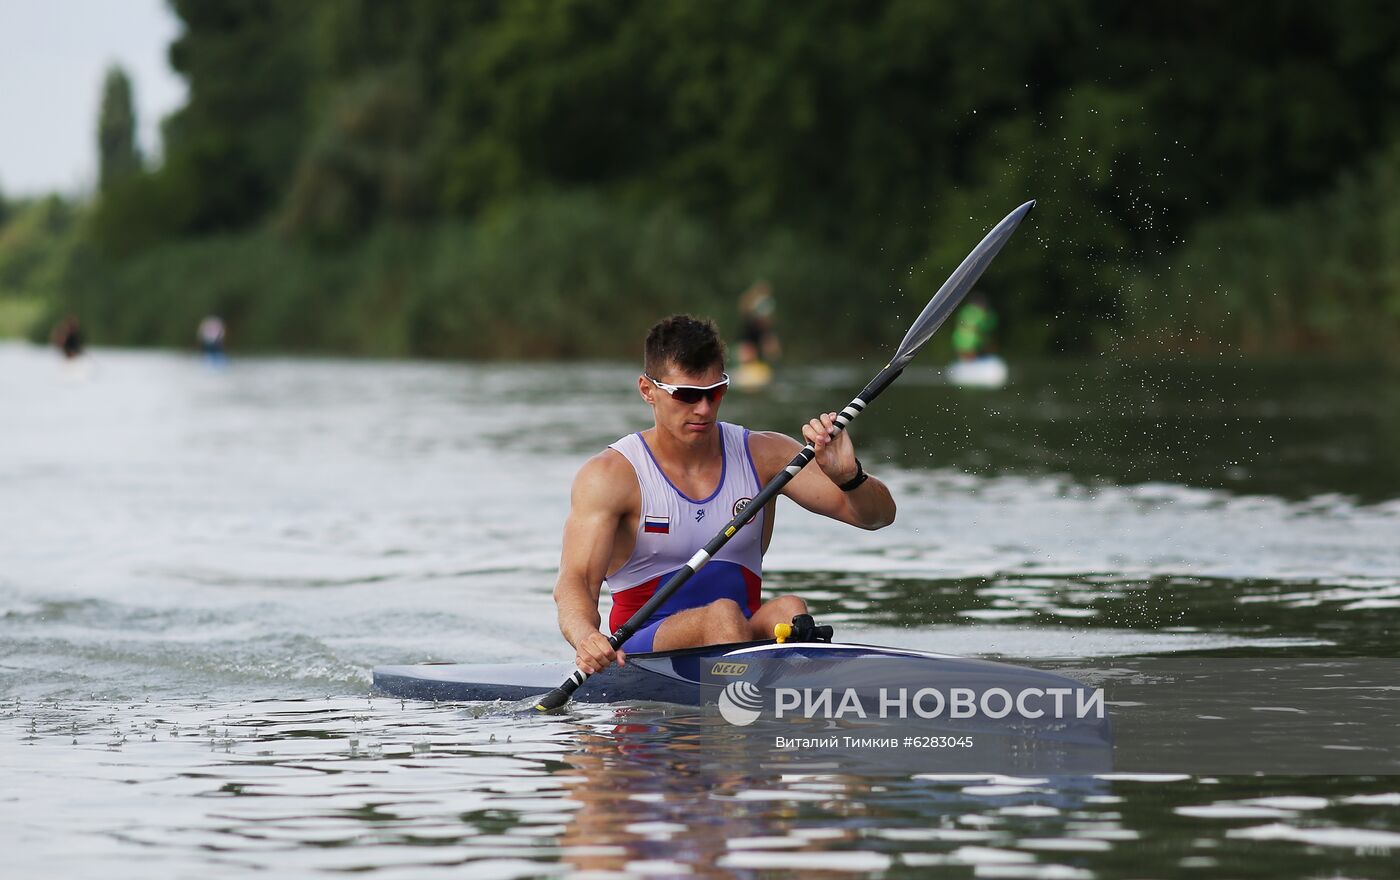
pixel 719 622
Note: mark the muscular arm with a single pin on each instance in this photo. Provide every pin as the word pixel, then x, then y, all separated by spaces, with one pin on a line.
pixel 599 501
pixel 870 506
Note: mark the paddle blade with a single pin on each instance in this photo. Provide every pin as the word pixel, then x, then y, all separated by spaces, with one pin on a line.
pixel 559 697
pixel 957 286
pixel 552 701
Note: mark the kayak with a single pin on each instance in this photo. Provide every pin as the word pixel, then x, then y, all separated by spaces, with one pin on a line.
pixel 808 690
pixel 682 676
pixel 988 371
pixel 664 676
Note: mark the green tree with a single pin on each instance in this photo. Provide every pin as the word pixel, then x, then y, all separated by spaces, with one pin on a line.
pixel 231 149
pixel 32 243
pixel 119 156
pixel 830 145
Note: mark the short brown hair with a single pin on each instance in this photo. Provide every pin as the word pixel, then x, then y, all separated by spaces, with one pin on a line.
pixel 691 343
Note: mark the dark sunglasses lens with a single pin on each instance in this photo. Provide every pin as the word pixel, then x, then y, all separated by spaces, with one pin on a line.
pixel 691 396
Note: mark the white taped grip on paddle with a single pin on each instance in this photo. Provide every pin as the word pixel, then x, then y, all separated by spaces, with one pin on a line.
pixel 843 418
pixel 853 409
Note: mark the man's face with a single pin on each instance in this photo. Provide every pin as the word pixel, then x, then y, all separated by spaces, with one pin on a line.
pixel 685 421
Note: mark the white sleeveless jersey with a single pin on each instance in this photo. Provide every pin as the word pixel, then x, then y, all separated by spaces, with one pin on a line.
pixel 672 527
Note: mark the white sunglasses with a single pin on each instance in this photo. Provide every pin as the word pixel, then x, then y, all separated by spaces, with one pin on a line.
pixel 693 394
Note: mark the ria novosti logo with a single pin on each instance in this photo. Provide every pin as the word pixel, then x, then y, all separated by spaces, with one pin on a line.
pixel 741 703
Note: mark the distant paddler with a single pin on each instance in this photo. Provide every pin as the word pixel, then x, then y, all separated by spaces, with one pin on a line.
pixel 644 506
pixel 67 337
pixel 758 348
pixel 211 335
pixel 973 329
pixel 974 342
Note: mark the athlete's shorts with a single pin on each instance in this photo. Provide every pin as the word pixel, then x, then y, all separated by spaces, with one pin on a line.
pixel 641 641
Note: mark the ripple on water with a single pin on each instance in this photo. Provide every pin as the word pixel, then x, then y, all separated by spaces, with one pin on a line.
pixel 403 789
pixel 279 528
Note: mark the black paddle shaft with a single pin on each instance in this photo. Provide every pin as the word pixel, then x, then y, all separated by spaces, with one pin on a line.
pixel 933 315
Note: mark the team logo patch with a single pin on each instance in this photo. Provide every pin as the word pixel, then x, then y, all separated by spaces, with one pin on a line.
pixel 740 505
pixel 656 525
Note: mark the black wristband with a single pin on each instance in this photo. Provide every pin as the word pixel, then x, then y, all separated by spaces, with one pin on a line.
pixel 854 482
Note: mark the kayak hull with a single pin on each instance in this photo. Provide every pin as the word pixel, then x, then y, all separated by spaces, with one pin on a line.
pixel 665 677
pixel 680 676
pixel 456 682
pixel 988 371
pixel 765 672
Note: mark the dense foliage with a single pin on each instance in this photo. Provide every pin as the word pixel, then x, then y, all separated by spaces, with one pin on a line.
pixel 542 177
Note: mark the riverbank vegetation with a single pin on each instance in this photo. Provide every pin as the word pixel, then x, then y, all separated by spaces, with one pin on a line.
pixel 546 178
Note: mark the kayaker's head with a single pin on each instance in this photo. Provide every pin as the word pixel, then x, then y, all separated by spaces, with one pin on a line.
pixel 683 376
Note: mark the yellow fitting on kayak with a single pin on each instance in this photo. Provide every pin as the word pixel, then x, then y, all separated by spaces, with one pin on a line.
pixel 781 632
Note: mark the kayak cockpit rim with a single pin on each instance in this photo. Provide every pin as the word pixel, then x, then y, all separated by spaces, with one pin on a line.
pixel 873 650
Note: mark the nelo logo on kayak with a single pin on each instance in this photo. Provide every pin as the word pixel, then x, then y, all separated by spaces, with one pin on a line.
pixel 729 669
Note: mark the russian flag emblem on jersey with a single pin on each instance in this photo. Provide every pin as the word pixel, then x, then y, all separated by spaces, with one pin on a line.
pixel 656 525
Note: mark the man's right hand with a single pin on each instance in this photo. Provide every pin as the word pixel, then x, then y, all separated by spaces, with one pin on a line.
pixel 595 653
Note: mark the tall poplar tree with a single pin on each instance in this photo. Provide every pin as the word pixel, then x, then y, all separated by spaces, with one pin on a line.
pixel 118 154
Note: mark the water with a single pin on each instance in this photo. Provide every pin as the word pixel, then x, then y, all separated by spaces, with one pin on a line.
pixel 202 566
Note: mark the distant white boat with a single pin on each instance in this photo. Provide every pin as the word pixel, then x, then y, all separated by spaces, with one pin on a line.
pixel 988 371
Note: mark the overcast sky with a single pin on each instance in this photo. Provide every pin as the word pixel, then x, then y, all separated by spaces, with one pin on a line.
pixel 53 56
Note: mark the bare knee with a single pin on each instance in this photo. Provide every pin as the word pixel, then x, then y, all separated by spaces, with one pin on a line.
pixel 725 621
pixel 778 610
pixel 789 605
pixel 724 608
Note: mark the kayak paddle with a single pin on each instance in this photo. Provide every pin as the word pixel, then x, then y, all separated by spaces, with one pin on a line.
pixel 934 314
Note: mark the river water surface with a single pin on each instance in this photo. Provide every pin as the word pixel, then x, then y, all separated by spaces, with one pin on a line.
pixel 201 566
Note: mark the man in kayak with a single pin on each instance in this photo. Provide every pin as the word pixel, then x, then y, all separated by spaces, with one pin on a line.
pixel 643 506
